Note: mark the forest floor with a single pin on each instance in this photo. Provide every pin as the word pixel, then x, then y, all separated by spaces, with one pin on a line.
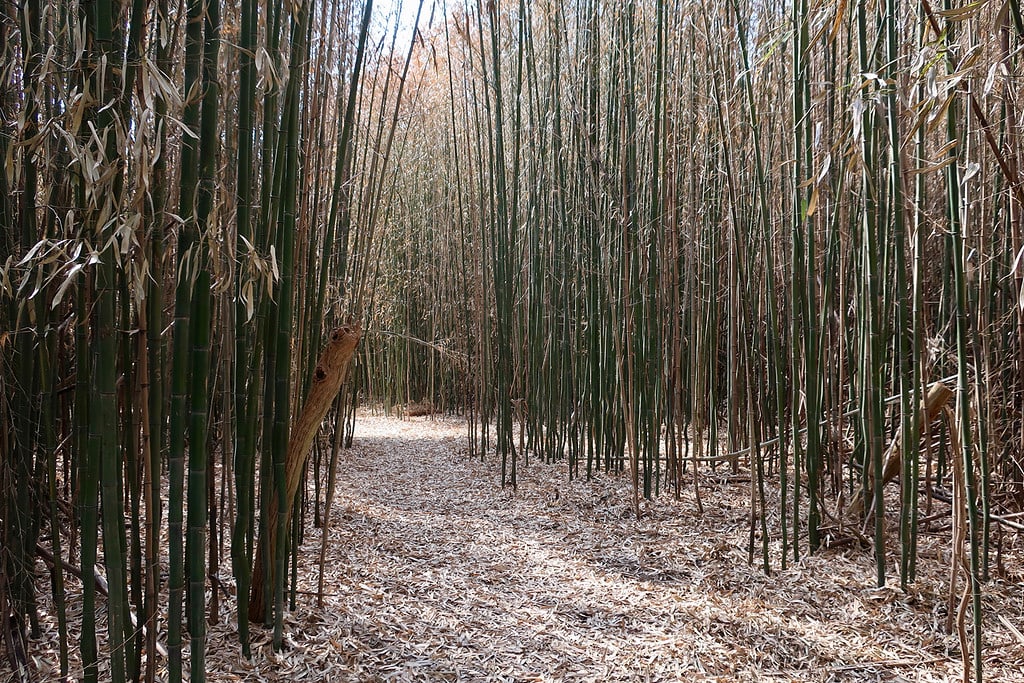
pixel 436 573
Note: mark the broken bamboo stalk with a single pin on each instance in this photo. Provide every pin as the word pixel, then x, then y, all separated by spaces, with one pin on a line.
pixel 327 380
pixel 828 418
pixel 935 400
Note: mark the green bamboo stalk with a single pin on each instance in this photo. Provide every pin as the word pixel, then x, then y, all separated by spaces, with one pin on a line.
pixel 247 289
pixel 48 447
pixel 20 529
pixel 199 357
pixel 907 355
pixel 188 271
pixel 870 375
pixel 130 491
pixel 88 482
pixel 500 255
pixel 105 387
pixel 804 277
pixel 286 179
pixel 151 320
pixel 955 210
pixel 104 376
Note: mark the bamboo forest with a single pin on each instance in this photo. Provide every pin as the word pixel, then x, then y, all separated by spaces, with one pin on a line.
pixel 511 340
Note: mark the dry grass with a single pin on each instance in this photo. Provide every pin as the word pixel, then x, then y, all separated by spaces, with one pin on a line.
pixel 437 574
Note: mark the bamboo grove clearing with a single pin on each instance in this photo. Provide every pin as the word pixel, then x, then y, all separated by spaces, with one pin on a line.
pixel 649 243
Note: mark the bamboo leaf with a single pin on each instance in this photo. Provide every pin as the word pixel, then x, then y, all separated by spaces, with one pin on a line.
pixel 5 276
pixel 964 13
pixel 825 167
pixel 248 299
pixel 32 252
pixel 812 203
pixel 999 68
pixel 69 279
pixel 933 167
pixel 971 171
pixel 273 263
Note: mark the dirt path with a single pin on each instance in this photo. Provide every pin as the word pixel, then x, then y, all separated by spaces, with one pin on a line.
pixel 437 574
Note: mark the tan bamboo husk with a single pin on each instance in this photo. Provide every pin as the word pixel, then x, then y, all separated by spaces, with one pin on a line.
pixel 327 380
pixel 935 400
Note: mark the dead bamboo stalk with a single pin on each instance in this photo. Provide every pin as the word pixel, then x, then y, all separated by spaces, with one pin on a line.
pixel 327 380
pixel 849 413
pixel 935 400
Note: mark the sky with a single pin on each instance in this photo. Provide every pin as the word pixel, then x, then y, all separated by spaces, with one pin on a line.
pixel 384 12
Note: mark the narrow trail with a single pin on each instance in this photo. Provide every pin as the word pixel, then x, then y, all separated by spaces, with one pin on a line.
pixel 435 573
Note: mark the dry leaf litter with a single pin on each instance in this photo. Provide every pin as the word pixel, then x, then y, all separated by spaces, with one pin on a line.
pixel 436 573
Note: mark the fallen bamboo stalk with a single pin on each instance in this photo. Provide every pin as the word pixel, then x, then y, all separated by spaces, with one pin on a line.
pixel 1006 522
pixel 888 664
pixel 944 497
pixel 824 422
pixel 935 400
pixel 1011 628
pixel 101 587
pixel 98 580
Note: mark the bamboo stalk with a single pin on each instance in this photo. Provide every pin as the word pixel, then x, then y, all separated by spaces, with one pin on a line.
pixel 328 378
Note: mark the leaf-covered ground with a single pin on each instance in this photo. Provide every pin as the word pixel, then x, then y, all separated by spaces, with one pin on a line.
pixel 436 573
